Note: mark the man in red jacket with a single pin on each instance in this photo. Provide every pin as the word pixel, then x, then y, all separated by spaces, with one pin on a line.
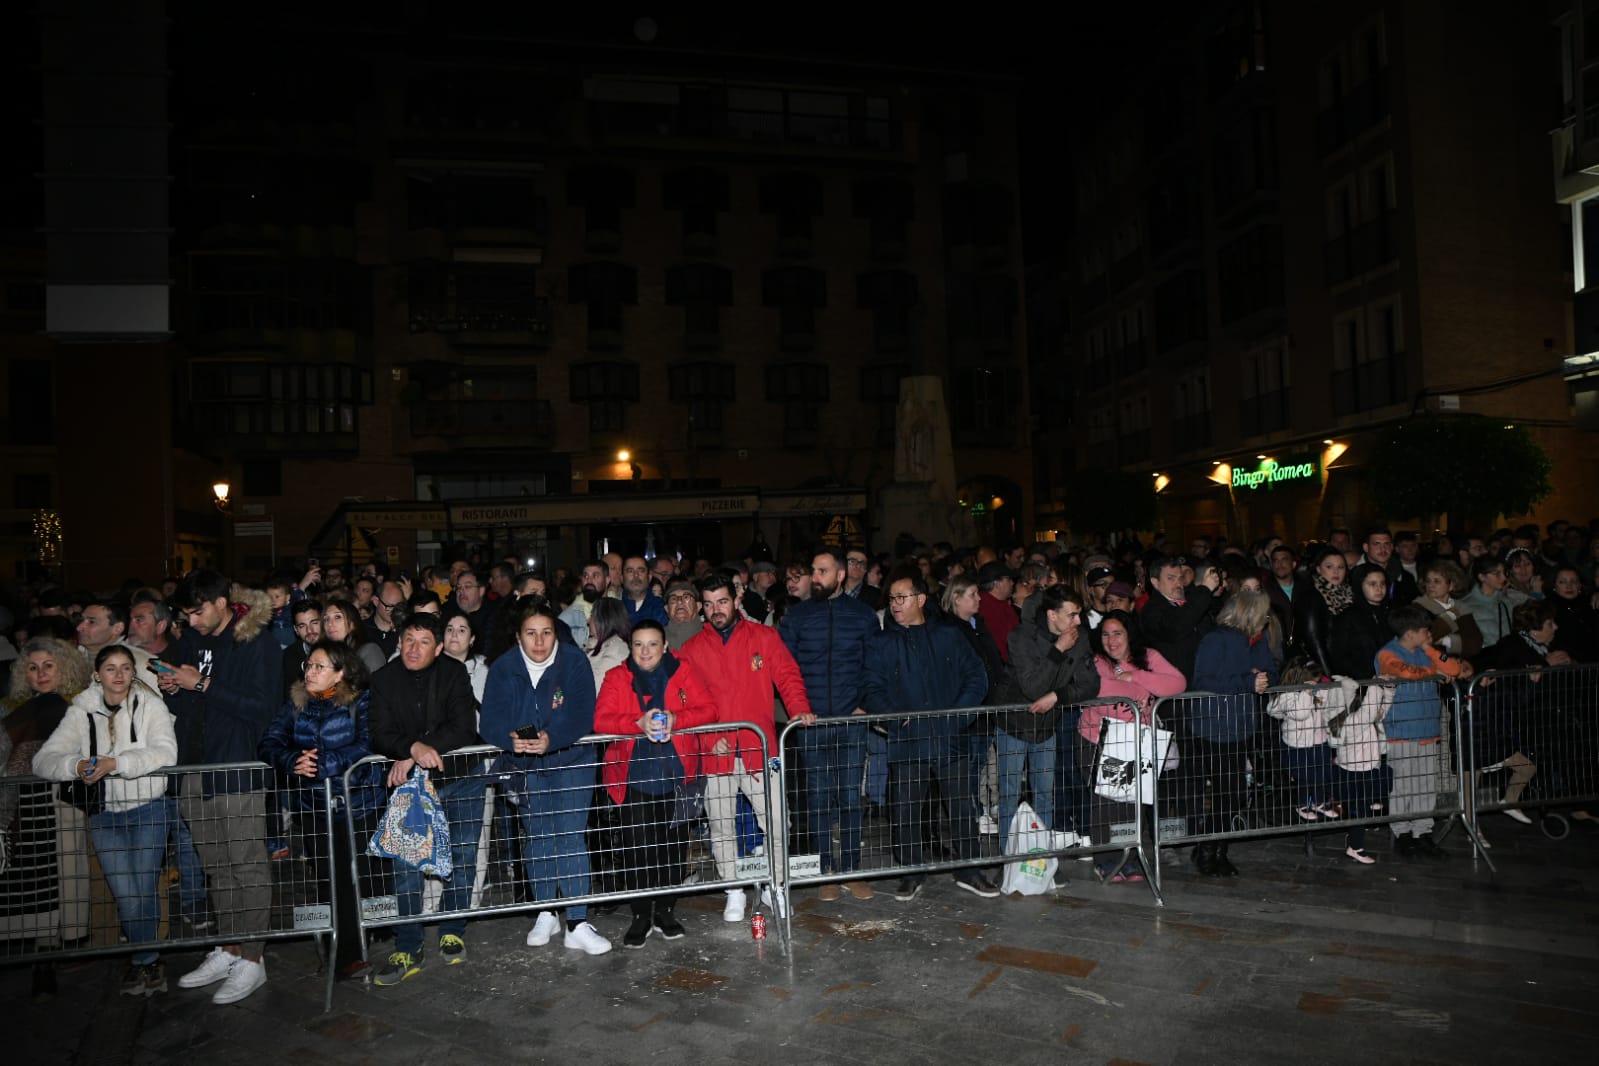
pixel 741 662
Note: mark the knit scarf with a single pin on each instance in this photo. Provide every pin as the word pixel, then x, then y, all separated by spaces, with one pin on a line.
pixel 1338 597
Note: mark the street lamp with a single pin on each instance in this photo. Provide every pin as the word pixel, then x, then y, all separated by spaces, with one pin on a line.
pixel 219 494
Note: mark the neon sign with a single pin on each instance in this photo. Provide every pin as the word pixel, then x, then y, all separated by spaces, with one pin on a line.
pixel 1275 472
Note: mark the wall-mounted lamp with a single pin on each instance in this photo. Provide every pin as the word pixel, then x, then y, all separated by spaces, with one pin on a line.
pixel 1333 450
pixel 1161 481
pixel 1222 474
pixel 219 496
pixel 623 455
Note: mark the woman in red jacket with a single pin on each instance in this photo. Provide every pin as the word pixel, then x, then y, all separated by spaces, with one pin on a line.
pixel 651 696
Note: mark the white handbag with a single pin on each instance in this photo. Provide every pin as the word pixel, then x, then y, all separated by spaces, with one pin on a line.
pixel 1129 753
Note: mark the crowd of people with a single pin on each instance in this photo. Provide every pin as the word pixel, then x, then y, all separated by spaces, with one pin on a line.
pixel 1010 644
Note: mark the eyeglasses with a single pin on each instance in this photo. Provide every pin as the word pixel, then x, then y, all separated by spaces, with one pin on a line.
pixel 901 597
pixel 394 605
pixel 856 562
pixel 682 597
pixel 466 588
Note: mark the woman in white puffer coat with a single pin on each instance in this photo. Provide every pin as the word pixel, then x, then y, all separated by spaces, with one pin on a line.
pixel 113 739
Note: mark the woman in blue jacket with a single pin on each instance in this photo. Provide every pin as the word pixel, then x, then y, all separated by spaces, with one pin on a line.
pixel 1234 662
pixel 538 703
pixel 320 732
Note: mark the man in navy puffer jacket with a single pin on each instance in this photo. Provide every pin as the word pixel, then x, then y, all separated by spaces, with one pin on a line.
pixel 828 635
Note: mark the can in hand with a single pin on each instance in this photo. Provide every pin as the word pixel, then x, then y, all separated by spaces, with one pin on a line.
pixel 757 926
pixel 658 726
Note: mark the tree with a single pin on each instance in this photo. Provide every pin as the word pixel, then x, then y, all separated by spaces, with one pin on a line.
pixel 1469 466
pixel 1108 500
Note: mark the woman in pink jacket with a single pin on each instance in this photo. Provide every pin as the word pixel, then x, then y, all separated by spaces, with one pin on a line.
pixel 1130 670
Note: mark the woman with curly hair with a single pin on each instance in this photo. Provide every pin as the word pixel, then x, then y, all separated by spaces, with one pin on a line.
pixel 47 874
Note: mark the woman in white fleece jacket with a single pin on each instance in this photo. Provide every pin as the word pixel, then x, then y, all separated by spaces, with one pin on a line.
pixel 119 733
pixel 1360 779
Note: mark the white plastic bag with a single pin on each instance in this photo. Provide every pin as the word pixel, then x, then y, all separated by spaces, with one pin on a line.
pixel 1028 836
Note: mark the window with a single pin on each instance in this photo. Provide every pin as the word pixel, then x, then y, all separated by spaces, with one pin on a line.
pixel 606 387
pixel 30 401
pixel 1180 311
pixel 1246 159
pixel 1263 390
pixel 1130 355
pixel 880 388
pixel 1368 358
pixel 889 295
pixel 888 205
pixel 706 388
pixel 31 492
pixel 606 288
pixel 982 405
pixel 603 192
pixel 1249 272
pixel 801 389
pixel 795 199
pixel 1133 423
pixel 1191 421
pixel 702 290
pixel 700 194
pixel 796 292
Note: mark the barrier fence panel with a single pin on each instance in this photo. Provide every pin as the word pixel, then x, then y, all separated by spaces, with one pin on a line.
pixel 174 860
pixel 1344 756
pixel 1532 745
pixel 903 795
pixel 598 823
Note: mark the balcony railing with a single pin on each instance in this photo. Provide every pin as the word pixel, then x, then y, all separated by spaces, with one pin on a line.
pixel 488 418
pixel 527 321
pixel 1369 385
pixel 1365 247
pixel 1362 107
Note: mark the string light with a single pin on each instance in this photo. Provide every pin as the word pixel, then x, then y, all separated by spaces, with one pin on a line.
pixel 47 536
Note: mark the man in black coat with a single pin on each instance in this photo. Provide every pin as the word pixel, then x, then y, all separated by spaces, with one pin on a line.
pixel 422 709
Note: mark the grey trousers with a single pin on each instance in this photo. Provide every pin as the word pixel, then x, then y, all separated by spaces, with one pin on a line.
pixel 229 832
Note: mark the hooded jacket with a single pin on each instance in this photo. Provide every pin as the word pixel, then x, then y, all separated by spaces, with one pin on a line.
pixel 336 727
pixel 225 723
pixel 143 742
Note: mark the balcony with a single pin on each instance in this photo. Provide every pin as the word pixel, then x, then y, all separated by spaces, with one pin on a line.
pixel 530 421
pixel 272 427
pixel 1369 385
pixel 1266 413
pixel 525 323
pixel 1131 358
pixel 1134 446
pixel 1192 431
pixel 1367 247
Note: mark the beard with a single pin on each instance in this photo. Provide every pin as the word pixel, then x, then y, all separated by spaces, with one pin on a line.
pixel 590 595
pixel 819 592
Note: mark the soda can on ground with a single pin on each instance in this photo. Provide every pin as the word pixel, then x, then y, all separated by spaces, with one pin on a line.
pixel 758 926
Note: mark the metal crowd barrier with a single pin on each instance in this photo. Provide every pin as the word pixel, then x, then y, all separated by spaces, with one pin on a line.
pixel 1242 775
pixel 890 821
pixel 179 872
pixel 571 844
pixel 1532 743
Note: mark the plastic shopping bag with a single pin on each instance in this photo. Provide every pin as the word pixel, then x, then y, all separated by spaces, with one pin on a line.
pixel 1028 836
pixel 1124 770
pixel 414 829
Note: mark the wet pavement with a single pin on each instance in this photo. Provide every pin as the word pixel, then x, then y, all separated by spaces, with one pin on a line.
pixel 1301 959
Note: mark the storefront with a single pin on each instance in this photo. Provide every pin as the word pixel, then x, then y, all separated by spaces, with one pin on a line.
pixel 1297 492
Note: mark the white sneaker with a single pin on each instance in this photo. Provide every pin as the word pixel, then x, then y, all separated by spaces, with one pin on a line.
pixel 1516 816
pixel 774 903
pixel 244 978
pixel 734 910
pixel 543 929
pixel 214 968
pixel 587 939
pixel 987 825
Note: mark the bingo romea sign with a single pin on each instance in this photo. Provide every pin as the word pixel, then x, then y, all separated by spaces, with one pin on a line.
pixel 1293 470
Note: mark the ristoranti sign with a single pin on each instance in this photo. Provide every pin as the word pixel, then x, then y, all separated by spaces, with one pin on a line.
pixel 1290 470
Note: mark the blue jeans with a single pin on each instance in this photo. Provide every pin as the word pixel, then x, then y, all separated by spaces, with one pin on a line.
pixel 833 758
pixel 130 845
pixel 1040 762
pixel 876 768
pixel 1312 769
pixel 463 806
pixel 555 816
pixel 1071 793
pixel 191 873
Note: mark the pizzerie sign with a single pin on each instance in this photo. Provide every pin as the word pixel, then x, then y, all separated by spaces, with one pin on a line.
pixel 1271 472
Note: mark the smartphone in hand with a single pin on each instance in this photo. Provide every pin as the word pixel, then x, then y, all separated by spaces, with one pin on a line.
pixel 528 732
pixel 156 666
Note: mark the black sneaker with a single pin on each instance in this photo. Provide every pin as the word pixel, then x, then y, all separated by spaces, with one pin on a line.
pixel 667 925
pixel 1405 847
pixel 974 882
pixel 400 967
pixel 908 889
pixel 452 949
pixel 638 932
pixel 1427 848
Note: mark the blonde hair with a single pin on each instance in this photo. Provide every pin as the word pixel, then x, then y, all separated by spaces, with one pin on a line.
pixel 1246 612
pixel 71 669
